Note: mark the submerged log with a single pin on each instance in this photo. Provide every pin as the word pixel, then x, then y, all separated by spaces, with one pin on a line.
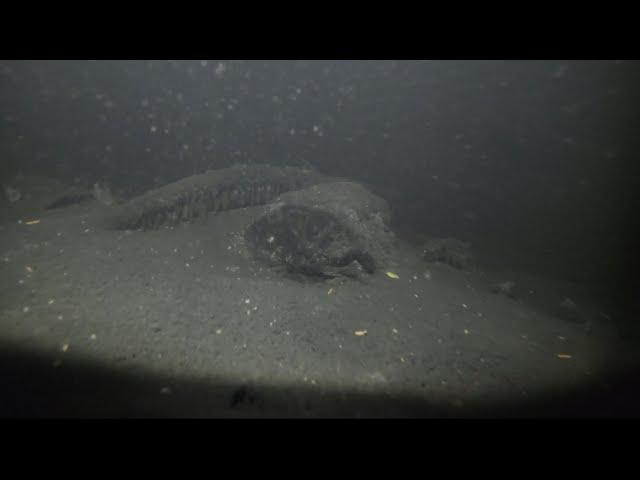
pixel 213 191
pixel 324 231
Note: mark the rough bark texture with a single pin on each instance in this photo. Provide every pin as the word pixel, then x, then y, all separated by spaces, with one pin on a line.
pixel 213 191
pixel 324 231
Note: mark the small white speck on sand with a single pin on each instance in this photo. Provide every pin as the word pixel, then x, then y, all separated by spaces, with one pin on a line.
pixel 65 347
pixel 25 309
pixel 92 336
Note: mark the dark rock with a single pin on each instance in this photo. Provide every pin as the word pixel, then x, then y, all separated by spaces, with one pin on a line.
pixel 450 251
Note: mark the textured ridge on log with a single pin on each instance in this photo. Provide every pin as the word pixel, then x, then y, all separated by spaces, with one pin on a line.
pixel 213 191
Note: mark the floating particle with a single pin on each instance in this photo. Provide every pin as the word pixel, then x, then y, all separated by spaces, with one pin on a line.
pixel 32 222
pixel 92 336
pixel 65 347
pixel 360 333
pixel 219 331
pixel 564 356
pixel 165 391
pixel 392 275
pixel 568 304
pixel 28 269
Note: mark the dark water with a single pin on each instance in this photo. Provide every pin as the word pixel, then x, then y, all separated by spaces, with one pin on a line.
pixel 535 162
pixel 538 155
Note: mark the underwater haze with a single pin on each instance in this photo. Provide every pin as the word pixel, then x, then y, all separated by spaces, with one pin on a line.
pixel 319 238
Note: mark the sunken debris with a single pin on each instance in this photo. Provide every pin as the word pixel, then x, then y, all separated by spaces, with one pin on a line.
pixel 325 231
pixel 213 191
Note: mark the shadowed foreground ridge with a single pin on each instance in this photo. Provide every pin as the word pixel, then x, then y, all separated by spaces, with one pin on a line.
pixel 77 389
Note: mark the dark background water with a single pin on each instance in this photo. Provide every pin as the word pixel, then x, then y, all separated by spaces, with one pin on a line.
pixel 533 157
